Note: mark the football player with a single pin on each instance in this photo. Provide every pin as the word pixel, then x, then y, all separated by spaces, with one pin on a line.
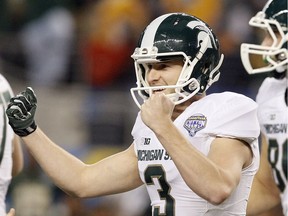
pixel 196 154
pixel 11 155
pixel 270 57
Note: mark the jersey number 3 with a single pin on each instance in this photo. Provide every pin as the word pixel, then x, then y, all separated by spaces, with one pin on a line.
pixel 158 173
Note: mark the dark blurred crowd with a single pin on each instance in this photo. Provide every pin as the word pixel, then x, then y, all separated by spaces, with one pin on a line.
pixel 77 54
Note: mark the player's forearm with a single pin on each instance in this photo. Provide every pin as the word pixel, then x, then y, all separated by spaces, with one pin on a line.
pixel 63 168
pixel 11 212
pixel 196 169
pixel 259 195
pixel 263 187
pixel 258 206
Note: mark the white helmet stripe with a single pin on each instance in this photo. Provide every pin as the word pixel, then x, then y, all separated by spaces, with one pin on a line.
pixel 150 33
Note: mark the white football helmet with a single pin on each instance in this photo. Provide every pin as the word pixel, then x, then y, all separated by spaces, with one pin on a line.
pixel 259 58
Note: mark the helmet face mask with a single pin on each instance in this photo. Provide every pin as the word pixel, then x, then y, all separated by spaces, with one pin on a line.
pixel 272 57
pixel 177 36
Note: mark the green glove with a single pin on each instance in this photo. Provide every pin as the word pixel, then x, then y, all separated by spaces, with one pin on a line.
pixel 21 111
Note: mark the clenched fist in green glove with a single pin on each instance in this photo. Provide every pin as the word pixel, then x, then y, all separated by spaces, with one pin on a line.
pixel 21 111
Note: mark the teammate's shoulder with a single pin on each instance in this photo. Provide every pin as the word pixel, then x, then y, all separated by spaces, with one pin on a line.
pixel 2 78
pixel 269 88
pixel 267 83
pixel 4 85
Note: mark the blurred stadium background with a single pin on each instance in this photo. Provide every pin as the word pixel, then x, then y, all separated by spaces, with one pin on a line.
pixel 76 56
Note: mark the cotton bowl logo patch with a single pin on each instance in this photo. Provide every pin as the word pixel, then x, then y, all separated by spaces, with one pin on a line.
pixel 195 123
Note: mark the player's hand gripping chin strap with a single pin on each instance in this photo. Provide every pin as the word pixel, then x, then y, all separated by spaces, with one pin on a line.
pixel 177 97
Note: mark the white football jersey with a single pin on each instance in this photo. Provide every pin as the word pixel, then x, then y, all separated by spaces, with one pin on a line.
pixel 273 117
pixel 6 136
pixel 226 115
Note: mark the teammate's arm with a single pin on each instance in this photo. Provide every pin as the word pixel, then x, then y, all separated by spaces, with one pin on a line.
pixel 263 187
pixel 11 212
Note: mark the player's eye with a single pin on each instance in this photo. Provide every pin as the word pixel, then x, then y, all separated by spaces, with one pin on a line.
pixel 161 66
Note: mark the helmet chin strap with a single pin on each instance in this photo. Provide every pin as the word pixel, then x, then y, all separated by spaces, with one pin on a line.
pixel 281 69
pixel 177 97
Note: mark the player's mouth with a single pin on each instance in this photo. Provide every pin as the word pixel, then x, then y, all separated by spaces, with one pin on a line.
pixel 157 90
